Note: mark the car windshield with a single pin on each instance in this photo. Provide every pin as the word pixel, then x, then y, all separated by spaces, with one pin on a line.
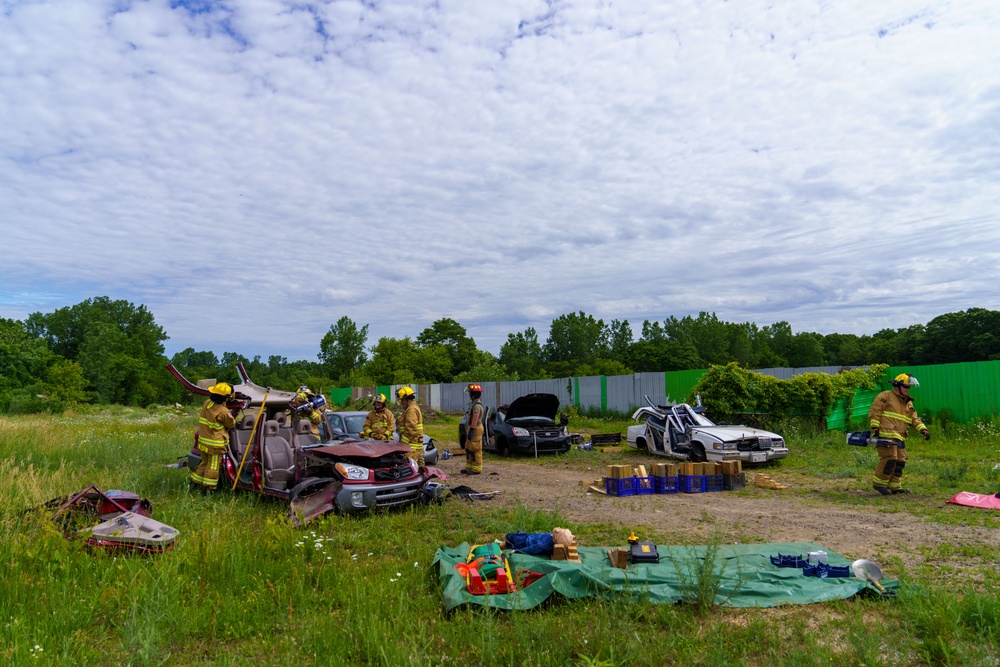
pixel 354 423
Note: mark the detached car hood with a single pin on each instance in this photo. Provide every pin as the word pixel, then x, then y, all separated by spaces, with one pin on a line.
pixel 533 405
pixel 365 448
pixel 725 433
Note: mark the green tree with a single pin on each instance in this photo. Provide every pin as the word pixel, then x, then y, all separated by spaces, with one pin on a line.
pixel 118 345
pixel 432 364
pixel 487 369
pixel 66 382
pixel 392 361
pixel 655 351
pixel 620 339
pixel 575 339
pixel 973 335
pixel 522 355
pixel 452 335
pixel 24 358
pixel 342 349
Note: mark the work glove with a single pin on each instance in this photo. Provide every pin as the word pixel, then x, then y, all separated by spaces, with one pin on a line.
pixel 875 432
pixel 927 434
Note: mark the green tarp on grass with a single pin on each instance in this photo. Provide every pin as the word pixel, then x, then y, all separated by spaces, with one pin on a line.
pixel 747 577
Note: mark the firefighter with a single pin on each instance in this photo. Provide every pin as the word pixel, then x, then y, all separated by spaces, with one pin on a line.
pixel 889 418
pixel 306 405
pixel 474 432
pixel 411 431
pixel 214 423
pixel 379 424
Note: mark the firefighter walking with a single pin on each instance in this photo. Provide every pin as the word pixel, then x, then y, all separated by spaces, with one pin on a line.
pixel 411 429
pixel 474 432
pixel 889 418
pixel 379 423
pixel 214 424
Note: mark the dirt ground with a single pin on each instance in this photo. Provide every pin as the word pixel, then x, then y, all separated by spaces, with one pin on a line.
pixel 879 528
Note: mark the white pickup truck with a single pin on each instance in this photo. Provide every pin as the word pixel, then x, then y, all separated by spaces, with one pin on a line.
pixel 683 432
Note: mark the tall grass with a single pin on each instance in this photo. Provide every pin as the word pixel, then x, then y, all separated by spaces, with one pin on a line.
pixel 243 586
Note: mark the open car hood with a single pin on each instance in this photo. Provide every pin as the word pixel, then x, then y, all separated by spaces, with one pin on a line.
pixel 372 449
pixel 533 405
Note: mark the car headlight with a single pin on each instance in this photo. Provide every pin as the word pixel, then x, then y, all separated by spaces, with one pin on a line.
pixel 352 472
pixel 728 445
pixel 521 432
pixel 414 466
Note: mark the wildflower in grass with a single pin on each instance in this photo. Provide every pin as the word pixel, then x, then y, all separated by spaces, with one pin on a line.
pixel 354 556
pixel 416 564
pixel 399 574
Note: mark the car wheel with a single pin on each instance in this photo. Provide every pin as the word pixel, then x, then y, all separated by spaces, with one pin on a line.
pixel 640 444
pixel 502 446
pixel 698 453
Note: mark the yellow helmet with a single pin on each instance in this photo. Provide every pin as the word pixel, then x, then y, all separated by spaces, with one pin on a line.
pixel 905 380
pixel 404 392
pixel 380 398
pixel 220 389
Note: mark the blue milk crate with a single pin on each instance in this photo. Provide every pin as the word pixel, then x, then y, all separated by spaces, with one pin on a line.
pixel 620 486
pixel 643 486
pixel 665 484
pixel 692 483
pixel 713 483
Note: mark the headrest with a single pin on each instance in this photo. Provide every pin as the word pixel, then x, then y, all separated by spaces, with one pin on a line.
pixel 280 418
pixel 270 427
pixel 248 421
pixel 303 427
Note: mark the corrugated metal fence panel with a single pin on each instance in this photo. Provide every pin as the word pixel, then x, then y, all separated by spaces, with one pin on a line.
pixel 780 373
pixel 840 419
pixel 969 390
pixel 589 392
pixel 339 395
pixel 621 393
pixel 678 384
pixel 558 386
pixel 652 385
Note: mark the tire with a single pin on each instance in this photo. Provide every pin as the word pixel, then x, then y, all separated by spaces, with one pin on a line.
pixel 640 444
pixel 502 446
pixel 698 453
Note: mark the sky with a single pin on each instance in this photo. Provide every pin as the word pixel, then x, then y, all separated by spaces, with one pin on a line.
pixel 252 171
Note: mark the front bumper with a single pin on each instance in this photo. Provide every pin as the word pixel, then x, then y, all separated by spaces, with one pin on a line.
pixel 753 456
pixel 357 498
pixel 526 445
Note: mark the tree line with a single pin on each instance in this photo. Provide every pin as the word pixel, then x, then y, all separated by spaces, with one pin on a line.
pixel 105 351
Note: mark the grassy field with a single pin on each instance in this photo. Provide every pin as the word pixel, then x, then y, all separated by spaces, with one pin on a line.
pixel 245 587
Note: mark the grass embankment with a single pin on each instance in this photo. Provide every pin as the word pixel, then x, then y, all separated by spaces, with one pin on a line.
pixel 245 587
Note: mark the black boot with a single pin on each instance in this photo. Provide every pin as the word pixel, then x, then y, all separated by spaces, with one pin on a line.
pixel 884 490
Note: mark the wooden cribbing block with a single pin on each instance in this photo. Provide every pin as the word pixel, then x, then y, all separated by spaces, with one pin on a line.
pixel 618 557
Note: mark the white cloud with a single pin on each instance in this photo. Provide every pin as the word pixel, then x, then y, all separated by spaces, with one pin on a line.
pixel 501 164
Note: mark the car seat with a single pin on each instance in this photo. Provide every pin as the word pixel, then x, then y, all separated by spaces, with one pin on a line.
pixel 279 459
pixel 304 435
pixel 240 436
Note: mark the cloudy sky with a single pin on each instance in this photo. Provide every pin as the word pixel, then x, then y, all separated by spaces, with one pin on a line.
pixel 252 170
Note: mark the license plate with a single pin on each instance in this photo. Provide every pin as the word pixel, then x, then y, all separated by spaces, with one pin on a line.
pixel 758 457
